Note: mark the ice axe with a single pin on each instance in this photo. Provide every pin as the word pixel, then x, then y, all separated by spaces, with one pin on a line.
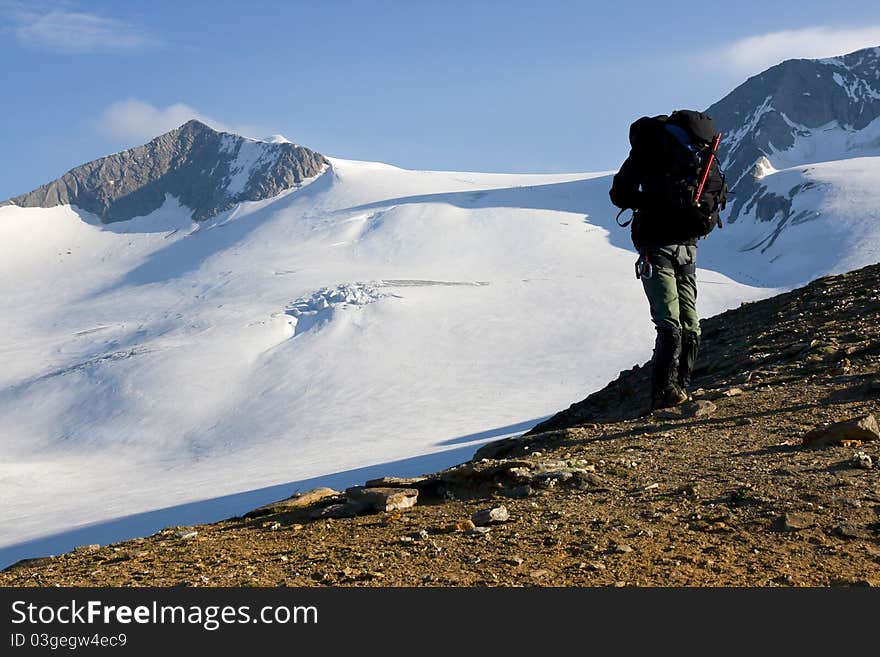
pixel 708 168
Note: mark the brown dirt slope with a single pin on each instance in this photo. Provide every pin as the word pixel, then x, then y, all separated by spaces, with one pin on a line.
pixel 721 493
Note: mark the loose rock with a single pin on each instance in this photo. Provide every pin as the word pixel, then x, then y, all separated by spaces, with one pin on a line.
pixel 383 499
pixel 699 408
pixel 345 510
pixel 794 522
pixel 478 531
pixel 862 460
pixel 518 491
pixel 848 530
pixel 860 429
pixel 295 502
pixel 396 482
pixel 490 515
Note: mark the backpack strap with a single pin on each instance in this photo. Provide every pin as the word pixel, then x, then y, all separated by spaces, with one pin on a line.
pixel 681 136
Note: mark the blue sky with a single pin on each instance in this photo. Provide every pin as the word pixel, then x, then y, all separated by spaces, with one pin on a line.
pixel 476 85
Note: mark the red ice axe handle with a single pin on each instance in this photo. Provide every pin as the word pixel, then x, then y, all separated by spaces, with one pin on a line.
pixel 708 168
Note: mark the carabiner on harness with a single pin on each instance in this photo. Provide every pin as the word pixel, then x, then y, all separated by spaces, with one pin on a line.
pixel 644 269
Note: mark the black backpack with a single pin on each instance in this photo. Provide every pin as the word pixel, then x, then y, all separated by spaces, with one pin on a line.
pixel 676 150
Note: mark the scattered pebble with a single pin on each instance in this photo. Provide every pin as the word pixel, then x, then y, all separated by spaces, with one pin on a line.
pixel 862 460
pixel 478 531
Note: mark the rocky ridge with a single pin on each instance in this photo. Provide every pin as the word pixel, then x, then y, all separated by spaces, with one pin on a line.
pixel 798 112
pixel 206 170
pixel 768 478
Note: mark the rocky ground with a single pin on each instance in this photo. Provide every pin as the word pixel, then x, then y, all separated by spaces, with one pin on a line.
pixel 742 487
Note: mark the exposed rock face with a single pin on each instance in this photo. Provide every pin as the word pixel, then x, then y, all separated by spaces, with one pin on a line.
pixel 208 171
pixel 796 112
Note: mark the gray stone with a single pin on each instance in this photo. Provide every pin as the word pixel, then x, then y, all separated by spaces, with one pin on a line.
pixel 396 482
pixel 849 530
pixel 490 515
pixel 518 491
pixel 622 548
pixel 862 460
pixel 343 510
pixel 588 480
pixel 859 429
pixel 794 522
pixel 194 163
pixel 87 548
pixel 549 478
pixel 699 408
pixel 478 531
pixel 383 499
pixel 293 503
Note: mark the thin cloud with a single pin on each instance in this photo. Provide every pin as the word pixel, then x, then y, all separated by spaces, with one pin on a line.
pixel 133 121
pixel 73 32
pixel 754 54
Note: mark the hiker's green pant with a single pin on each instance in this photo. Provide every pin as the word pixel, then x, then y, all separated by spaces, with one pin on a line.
pixel 672 291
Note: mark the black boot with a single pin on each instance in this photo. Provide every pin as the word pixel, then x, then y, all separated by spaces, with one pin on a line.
pixel 690 347
pixel 664 387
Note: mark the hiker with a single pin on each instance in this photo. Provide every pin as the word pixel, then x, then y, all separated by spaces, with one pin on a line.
pixel 672 183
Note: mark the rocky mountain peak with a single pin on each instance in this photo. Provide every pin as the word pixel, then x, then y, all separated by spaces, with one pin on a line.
pixel 207 170
pixel 797 112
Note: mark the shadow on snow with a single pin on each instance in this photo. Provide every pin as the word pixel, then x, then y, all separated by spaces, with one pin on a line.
pixel 236 504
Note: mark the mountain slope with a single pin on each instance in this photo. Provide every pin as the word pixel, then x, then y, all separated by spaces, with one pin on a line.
pixel 598 497
pixel 799 112
pixel 206 170
pixel 800 153
pixel 204 363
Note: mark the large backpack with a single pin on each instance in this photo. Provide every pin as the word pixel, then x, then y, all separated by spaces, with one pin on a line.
pixel 676 150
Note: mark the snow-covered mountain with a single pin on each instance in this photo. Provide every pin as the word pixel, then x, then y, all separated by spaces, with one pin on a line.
pixel 231 320
pixel 206 170
pixel 800 153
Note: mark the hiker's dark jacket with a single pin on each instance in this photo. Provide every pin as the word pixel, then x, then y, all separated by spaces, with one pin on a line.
pixel 640 185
